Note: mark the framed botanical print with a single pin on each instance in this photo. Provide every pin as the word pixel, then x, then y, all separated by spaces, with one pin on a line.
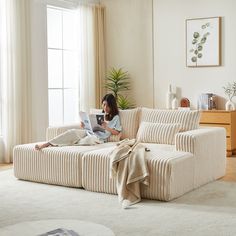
pixel 203 42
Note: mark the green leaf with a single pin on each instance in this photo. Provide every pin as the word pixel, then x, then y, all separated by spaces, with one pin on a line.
pixel 118 81
pixel 124 103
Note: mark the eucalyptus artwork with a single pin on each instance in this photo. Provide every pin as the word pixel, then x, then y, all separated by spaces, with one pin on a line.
pixel 199 39
pixel 118 81
pixel 203 43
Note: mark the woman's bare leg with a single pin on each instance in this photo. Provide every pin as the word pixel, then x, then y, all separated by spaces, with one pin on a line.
pixel 41 146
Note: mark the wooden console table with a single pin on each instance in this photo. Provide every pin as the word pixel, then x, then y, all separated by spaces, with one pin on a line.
pixel 221 118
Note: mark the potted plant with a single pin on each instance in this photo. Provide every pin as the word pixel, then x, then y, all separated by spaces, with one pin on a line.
pixel 117 81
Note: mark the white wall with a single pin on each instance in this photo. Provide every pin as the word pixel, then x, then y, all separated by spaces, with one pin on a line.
pixel 169 54
pixel 129 44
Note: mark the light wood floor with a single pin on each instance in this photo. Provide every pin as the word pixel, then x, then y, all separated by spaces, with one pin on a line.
pixel 230 170
pixel 5 166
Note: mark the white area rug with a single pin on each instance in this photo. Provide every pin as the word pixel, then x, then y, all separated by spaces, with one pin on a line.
pixel 41 227
pixel 209 210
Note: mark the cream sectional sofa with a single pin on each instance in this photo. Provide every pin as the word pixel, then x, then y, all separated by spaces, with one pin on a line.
pixel 194 157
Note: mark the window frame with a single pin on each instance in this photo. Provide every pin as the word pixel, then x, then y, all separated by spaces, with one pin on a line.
pixel 62 50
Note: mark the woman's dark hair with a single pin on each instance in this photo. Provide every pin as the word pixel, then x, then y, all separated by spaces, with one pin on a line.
pixel 111 102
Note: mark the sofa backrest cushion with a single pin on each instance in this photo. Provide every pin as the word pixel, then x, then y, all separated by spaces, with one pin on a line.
pixel 129 120
pixel 188 120
pixel 149 132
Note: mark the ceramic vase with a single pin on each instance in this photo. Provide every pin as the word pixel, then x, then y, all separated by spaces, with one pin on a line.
pixel 229 106
pixel 174 104
pixel 169 97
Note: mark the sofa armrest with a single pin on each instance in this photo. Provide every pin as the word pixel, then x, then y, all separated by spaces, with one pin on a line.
pixel 204 137
pixel 208 146
pixel 52 132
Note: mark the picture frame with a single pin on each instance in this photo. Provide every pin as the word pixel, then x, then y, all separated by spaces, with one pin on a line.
pixel 203 42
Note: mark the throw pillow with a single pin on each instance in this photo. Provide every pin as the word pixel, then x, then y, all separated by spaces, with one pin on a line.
pixel 188 120
pixel 157 132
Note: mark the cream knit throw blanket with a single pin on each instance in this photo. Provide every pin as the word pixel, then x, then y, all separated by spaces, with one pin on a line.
pixel 129 165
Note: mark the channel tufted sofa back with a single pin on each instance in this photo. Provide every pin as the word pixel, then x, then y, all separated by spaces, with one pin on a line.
pixel 132 118
pixel 188 120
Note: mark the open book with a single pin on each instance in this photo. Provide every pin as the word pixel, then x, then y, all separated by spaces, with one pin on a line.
pixel 92 122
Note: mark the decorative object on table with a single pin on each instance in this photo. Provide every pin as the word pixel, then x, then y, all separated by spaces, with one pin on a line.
pixel 230 91
pixel 229 106
pixel 203 42
pixel 56 227
pixel 169 97
pixel 60 232
pixel 184 102
pixel 174 103
pixel 117 81
pixel 207 101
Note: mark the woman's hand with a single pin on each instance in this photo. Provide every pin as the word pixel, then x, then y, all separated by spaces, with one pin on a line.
pixel 82 125
pixel 104 125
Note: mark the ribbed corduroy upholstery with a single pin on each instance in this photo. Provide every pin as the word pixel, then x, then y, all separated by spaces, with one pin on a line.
pixel 149 132
pixel 188 120
pixel 130 122
pixel 52 165
pixel 95 175
pixel 171 173
pixel 208 146
pixel 61 166
pixel 197 158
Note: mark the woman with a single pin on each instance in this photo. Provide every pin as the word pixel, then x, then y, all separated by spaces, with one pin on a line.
pixel 111 126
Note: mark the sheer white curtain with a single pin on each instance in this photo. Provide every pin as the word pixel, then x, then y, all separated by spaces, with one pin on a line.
pixel 17 111
pixel 15 74
pixel 92 55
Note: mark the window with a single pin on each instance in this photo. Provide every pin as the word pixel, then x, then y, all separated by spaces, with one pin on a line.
pixel 63 83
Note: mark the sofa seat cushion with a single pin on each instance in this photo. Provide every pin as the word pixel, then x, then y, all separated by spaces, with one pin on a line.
pixel 171 172
pixel 188 120
pixel 161 147
pixel 52 165
pixel 96 171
